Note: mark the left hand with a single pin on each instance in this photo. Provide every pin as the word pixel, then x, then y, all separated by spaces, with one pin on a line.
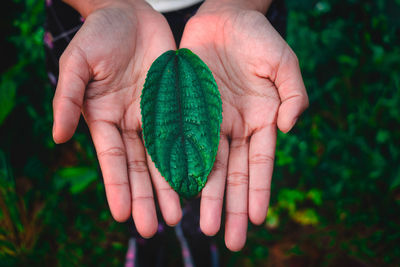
pixel 102 72
pixel 259 79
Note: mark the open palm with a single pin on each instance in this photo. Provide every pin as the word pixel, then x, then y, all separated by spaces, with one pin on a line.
pixel 102 73
pixel 261 86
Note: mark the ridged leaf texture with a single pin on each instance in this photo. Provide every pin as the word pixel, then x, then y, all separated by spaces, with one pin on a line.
pixel 181 119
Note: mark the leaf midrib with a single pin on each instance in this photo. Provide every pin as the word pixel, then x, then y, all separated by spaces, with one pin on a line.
pixel 181 129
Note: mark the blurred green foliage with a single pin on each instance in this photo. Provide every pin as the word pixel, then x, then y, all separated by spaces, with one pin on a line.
pixel 335 196
pixel 53 209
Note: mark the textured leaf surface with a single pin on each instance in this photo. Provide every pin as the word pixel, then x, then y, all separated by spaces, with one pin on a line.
pixel 181 118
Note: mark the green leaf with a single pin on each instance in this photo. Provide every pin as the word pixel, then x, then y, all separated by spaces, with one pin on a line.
pixel 382 136
pixel 395 181
pixel 8 90
pixel 8 194
pixel 306 217
pixel 79 178
pixel 288 199
pixel 272 220
pixel 315 196
pixel 181 116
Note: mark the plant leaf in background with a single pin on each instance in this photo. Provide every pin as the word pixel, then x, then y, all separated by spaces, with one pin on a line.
pixel 78 178
pixel 19 225
pixel 8 197
pixel 181 114
pixel 8 90
pixel 338 170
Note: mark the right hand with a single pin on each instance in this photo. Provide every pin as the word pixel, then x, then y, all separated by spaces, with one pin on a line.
pixel 102 73
pixel 261 87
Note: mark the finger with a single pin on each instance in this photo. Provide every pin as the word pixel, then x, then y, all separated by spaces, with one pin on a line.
pixel 292 92
pixel 213 193
pixel 111 154
pixel 261 164
pixel 236 195
pixel 143 208
pixel 168 199
pixel 67 103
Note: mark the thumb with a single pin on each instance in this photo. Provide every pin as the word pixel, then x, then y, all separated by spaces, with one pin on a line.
pixel 292 92
pixel 68 99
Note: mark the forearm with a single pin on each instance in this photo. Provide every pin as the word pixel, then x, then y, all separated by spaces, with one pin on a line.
pixel 86 7
pixel 258 5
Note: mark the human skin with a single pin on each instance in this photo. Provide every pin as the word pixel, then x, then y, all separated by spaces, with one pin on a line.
pixel 261 87
pixel 102 72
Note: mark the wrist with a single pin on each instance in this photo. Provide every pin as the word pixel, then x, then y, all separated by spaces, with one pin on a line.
pixel 86 7
pixel 256 5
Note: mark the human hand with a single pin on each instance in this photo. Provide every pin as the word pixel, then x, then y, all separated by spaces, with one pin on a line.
pixel 102 72
pixel 261 86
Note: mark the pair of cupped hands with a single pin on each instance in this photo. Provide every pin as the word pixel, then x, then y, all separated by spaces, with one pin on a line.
pixel 102 73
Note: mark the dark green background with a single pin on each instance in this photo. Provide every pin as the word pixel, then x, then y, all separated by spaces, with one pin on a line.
pixel 336 185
